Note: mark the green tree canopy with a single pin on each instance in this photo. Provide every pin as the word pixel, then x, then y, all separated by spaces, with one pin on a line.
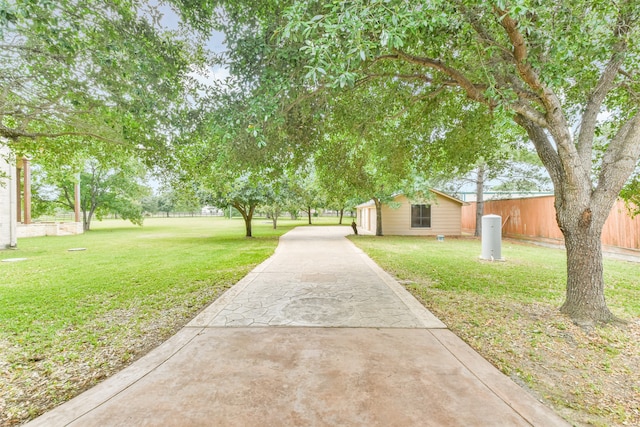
pixel 564 72
pixel 107 186
pixel 103 70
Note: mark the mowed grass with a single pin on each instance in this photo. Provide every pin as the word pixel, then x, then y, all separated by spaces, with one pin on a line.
pixel 530 273
pixel 508 311
pixel 70 318
pixel 123 266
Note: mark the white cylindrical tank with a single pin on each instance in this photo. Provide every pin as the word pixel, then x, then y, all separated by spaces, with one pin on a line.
pixel 491 237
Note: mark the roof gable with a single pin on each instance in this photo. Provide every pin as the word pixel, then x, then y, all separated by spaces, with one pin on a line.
pixel 446 196
pixel 436 192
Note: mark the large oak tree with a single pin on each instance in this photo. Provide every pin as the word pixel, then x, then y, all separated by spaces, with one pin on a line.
pixel 566 72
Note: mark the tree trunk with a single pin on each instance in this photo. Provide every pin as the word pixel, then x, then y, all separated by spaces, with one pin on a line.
pixel 341 215
pixel 378 216
pixel 585 302
pixel 581 211
pixel 274 218
pixel 247 222
pixel 87 217
pixel 309 214
pixel 479 200
pixel 247 225
pixel 86 221
pixel 582 229
pixel 247 216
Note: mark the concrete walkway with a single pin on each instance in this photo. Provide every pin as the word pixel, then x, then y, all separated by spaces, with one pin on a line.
pixel 317 335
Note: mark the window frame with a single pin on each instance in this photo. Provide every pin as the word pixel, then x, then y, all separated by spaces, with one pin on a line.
pixel 418 221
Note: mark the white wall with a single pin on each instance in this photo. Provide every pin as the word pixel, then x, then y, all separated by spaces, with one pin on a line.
pixel 7 200
pixel 40 229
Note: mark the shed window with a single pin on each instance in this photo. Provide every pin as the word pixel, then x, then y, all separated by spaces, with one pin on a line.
pixel 421 216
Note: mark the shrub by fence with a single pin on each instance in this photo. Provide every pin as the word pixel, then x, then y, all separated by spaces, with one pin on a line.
pixel 535 218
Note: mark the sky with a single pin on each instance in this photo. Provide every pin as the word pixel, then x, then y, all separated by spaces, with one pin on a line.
pixel 215 43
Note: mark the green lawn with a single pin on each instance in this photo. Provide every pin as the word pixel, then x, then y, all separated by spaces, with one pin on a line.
pixel 124 267
pixel 69 318
pixel 531 273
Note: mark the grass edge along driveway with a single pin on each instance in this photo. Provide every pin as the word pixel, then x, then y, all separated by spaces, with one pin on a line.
pixel 69 319
pixel 508 312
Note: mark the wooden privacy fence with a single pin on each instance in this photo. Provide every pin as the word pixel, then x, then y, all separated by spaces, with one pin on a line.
pixel 535 218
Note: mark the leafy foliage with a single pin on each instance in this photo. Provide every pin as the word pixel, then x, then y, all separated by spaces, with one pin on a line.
pixel 245 193
pixel 100 69
pixel 631 194
pixel 106 187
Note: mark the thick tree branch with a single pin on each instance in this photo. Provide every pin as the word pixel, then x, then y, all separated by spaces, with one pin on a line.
pixel 520 52
pixel 576 172
pixel 619 160
pixel 17 133
pixel 485 37
pixel 597 97
pixel 417 76
pixel 523 108
pixel 383 58
pixel 524 94
pixel 473 91
pixel 545 150
pixel 549 100
pixel 421 77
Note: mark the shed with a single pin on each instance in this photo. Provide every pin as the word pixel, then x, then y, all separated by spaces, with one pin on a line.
pixel 441 215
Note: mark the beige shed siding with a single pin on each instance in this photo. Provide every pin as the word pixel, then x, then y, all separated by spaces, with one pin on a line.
pixel 446 218
pixel 367 218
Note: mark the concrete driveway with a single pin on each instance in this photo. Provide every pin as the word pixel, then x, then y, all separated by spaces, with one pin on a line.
pixel 317 335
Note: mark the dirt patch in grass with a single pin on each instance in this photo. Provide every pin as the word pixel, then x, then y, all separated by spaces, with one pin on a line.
pixel 590 377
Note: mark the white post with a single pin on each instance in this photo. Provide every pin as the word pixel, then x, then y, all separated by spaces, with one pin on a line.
pixel 8 200
pixel 491 237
